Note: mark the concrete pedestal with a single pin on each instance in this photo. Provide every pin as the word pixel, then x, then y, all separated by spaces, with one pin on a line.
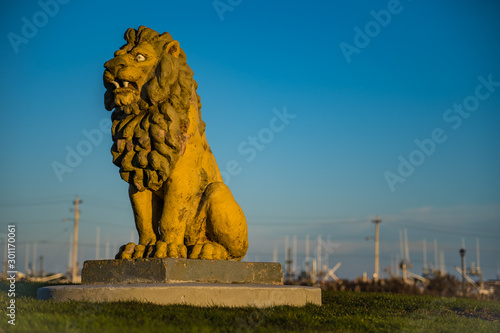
pixel 197 294
pixel 172 270
pixel 183 281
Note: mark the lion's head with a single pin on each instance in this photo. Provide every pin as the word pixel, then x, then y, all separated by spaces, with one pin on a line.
pixel 150 87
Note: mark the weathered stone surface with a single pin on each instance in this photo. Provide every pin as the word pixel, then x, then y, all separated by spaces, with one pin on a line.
pixel 170 270
pixel 198 294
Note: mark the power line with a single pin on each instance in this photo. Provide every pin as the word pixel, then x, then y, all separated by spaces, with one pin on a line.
pixel 19 223
pixel 302 218
pixel 100 223
pixel 49 242
pixel 302 224
pixel 108 206
pixel 29 204
pixel 448 231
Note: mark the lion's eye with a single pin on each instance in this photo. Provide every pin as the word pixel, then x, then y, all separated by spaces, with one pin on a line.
pixel 140 57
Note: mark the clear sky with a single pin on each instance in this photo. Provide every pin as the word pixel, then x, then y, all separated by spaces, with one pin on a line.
pixel 387 108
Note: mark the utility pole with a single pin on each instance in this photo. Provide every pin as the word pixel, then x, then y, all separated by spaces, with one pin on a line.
pixel 437 272
pixel 476 268
pixel 287 273
pixel 478 265
pixel 407 252
pixel 308 263
pixel 70 254
pixel 403 270
pixel 107 249
pixel 391 271
pixel 442 264
pixel 425 272
pixel 477 255
pixel 27 258
pixel 75 239
pixel 318 262
pixel 288 265
pixel 42 272
pixel 397 265
pixel 405 262
pixel 294 267
pixel 313 272
pixel 33 267
pixel 97 241
pixel 286 248
pixel 376 274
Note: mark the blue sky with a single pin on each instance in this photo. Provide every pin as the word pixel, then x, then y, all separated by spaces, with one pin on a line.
pixel 354 116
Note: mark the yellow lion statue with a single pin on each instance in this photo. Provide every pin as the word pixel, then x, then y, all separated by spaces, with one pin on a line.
pixel 182 209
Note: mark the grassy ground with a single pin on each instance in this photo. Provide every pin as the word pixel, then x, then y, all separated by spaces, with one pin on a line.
pixel 340 312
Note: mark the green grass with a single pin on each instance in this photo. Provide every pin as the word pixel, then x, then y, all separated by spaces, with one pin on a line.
pixel 340 312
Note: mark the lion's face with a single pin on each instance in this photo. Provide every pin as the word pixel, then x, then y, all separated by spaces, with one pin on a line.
pixel 127 73
pixel 150 87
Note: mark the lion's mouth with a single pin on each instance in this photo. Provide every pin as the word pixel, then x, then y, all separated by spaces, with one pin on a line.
pixel 120 92
pixel 124 86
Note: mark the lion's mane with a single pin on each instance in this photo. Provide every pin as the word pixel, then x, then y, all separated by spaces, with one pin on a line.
pixel 149 135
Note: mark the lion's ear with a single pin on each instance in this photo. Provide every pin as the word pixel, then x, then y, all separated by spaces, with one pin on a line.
pixel 130 35
pixel 173 48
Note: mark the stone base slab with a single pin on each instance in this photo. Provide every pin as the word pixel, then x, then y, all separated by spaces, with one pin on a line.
pixel 197 294
pixel 171 270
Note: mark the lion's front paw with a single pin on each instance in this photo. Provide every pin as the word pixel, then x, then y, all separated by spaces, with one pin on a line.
pixel 132 251
pixel 208 251
pixel 128 251
pixel 170 250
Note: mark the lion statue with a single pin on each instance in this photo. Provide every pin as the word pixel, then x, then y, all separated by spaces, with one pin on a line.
pixel 182 208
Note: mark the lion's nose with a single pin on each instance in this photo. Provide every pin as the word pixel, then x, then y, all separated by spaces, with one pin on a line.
pixel 115 64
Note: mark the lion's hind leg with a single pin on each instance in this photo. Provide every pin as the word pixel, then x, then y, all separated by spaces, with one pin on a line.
pixel 226 227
